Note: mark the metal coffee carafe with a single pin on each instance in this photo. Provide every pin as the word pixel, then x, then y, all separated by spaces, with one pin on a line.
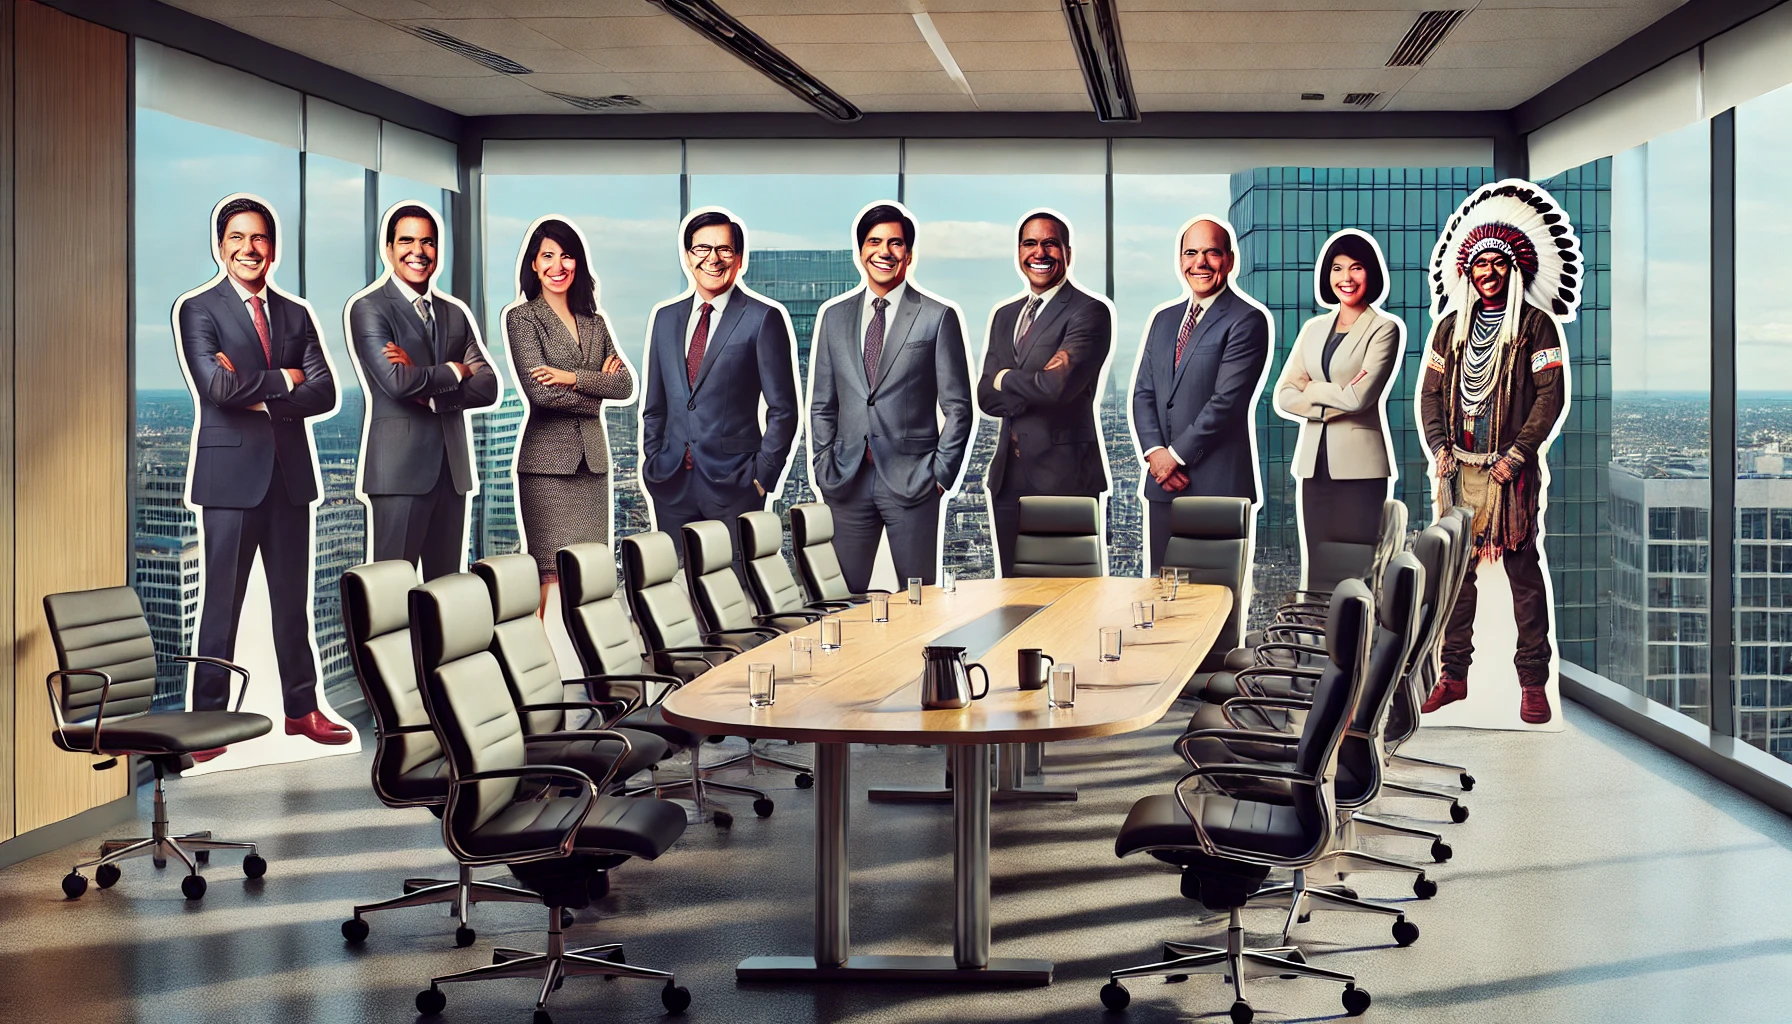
pixel 946 679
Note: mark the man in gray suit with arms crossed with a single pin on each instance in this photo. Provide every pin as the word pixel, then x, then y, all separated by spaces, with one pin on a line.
pixel 885 358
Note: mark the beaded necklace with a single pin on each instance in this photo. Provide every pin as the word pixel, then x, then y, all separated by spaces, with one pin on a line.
pixel 1480 361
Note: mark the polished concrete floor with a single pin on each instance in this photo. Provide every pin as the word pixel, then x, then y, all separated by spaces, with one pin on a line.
pixel 1596 880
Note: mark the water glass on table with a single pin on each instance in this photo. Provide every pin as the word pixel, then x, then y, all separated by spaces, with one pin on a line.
pixel 880 607
pixel 948 582
pixel 1110 643
pixel 802 655
pixel 762 684
pixel 1144 614
pixel 1062 686
pixel 830 633
pixel 914 590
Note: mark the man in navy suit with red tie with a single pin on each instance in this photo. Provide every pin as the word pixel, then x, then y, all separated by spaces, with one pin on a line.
pixel 711 355
pixel 258 373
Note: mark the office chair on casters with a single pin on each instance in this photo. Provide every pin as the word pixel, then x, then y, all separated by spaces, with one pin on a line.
pixel 775 590
pixel 1403 720
pixel 100 699
pixel 611 654
pixel 1226 845
pixel 812 539
pixel 556 845
pixel 409 766
pixel 1210 538
pixel 1059 536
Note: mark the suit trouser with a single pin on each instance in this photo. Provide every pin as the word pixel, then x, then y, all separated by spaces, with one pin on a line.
pixel 1157 532
pixel 427 528
pixel 281 531
pixel 1530 600
pixel 685 499
pixel 866 509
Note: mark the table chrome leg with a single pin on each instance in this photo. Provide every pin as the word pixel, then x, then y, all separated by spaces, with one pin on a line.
pixel 970 854
pixel 833 801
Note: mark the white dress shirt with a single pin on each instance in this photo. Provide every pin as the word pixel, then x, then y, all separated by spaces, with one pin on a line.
pixel 717 304
pixel 1206 305
pixel 895 296
pixel 1045 299
pixel 244 295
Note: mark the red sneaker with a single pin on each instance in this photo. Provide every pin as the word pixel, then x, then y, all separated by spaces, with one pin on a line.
pixel 1448 690
pixel 319 729
pixel 1533 703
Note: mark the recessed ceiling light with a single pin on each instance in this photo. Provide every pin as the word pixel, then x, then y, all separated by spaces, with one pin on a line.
pixel 1312 95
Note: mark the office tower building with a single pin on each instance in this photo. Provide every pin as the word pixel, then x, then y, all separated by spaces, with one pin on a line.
pixel 493 527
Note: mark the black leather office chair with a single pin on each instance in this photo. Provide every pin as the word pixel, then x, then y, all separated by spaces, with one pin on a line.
pixel 1059 536
pixel 1297 619
pixel 1403 717
pixel 555 845
pixel 665 613
pixel 722 602
pixel 812 539
pixel 520 640
pixel 1226 845
pixel 774 588
pixel 409 767
pixel 100 696
pixel 1210 538
pixel 611 654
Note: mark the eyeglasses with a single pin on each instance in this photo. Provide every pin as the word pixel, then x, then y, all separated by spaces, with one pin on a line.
pixel 725 253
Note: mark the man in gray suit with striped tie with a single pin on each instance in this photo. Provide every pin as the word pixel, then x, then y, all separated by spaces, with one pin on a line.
pixel 887 363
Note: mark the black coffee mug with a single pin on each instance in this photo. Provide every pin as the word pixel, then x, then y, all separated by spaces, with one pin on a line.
pixel 1034 664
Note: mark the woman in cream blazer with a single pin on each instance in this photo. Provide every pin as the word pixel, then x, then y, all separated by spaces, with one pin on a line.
pixel 1335 383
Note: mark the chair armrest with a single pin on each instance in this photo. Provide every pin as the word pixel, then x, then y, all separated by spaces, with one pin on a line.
pixel 828 607
pixel 1247 678
pixel 99 717
pixel 622 707
pixel 1301 649
pixel 403 730
pixel 1229 736
pixel 764 635
pixel 1307 597
pixel 1257 772
pixel 561 849
pixel 669 682
pixel 806 616
pixel 242 689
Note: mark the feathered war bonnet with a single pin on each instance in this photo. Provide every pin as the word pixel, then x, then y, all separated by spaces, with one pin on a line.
pixel 1523 221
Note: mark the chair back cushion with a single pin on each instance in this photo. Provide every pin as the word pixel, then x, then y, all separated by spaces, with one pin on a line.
pixel 105 631
pixel 709 567
pixel 464 691
pixel 1059 536
pixel 595 615
pixel 520 639
pixel 1391 539
pixel 1211 538
pixel 376 617
pixel 769 579
pixel 662 608
pixel 812 538
pixel 1335 694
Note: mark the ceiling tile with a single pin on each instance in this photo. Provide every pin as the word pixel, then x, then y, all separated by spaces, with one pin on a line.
pixel 1015 56
pixel 1004 28
pixel 585 33
pixel 835 28
pixel 821 59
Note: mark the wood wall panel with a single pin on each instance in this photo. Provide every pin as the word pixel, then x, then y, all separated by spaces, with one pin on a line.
pixel 7 696
pixel 71 369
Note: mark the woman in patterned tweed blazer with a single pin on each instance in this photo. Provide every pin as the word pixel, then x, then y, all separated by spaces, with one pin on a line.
pixel 566 365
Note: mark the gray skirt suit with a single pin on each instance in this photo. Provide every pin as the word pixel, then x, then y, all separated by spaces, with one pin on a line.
pixel 563 459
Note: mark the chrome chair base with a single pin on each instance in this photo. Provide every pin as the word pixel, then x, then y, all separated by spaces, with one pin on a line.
pixel 1234 961
pixel 699 785
pixel 552 967
pixel 1303 899
pixel 460 894
pixel 192 849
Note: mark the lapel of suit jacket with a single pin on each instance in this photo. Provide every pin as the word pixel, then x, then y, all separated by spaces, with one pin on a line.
pixel 1214 319
pixel 897 335
pixel 721 331
pixel 1314 354
pixel 553 345
pixel 669 346
pixel 844 334
pixel 419 345
pixel 1037 351
pixel 1354 340
pixel 280 313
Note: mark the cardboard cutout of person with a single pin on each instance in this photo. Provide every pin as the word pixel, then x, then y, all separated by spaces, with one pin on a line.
pixel 1335 384
pixel 1495 389
pixel 889 406
pixel 567 367
pixel 1045 362
pixel 720 411
pixel 423 370
pixel 253 358
pixel 1200 370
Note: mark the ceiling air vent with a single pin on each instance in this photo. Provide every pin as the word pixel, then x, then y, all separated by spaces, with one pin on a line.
pixel 599 103
pixel 1422 40
pixel 477 54
pixel 1361 99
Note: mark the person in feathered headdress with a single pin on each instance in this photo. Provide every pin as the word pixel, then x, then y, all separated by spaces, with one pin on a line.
pixel 1505 273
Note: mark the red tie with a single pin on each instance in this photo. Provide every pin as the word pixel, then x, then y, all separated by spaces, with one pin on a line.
pixel 699 341
pixel 261 328
pixel 1188 328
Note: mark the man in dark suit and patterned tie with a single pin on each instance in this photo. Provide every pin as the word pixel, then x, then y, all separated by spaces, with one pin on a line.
pixel 1195 390
pixel 423 368
pixel 712 354
pixel 1042 366
pixel 258 374
pixel 888 363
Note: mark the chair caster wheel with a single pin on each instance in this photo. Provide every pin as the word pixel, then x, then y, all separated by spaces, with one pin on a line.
pixel 763 807
pixel 675 998
pixel 1175 979
pixel 202 856
pixel 1467 780
pixel 193 887
pixel 74 884
pixel 566 918
pixel 107 875
pixel 1424 888
pixel 541 1016
pixel 1242 1012
pixel 1458 811
pixel 355 930
pixel 1405 933
pixel 159 862
pixel 805 781
pixel 1348 893
pixel 1114 996
pixel 717 739
pixel 1298 957
pixel 597 888
pixel 254 866
pixel 1442 851
pixel 1356 1000
pixel 430 1002
pixel 724 819
pixel 615 956
pixel 464 936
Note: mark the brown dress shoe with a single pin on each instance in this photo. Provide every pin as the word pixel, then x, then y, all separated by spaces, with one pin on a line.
pixel 1533 703
pixel 1448 690
pixel 319 729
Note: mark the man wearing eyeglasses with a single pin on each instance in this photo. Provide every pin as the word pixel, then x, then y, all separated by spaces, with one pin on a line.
pixel 1196 385
pixel 713 355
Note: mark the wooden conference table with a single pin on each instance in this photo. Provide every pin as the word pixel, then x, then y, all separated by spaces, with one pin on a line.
pixel 869 691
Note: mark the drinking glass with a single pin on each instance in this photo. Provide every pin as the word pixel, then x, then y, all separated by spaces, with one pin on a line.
pixel 880 607
pixel 762 684
pixel 802 655
pixel 1166 583
pixel 948 582
pixel 830 633
pixel 1144 614
pixel 1110 643
pixel 914 590
pixel 1063 686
